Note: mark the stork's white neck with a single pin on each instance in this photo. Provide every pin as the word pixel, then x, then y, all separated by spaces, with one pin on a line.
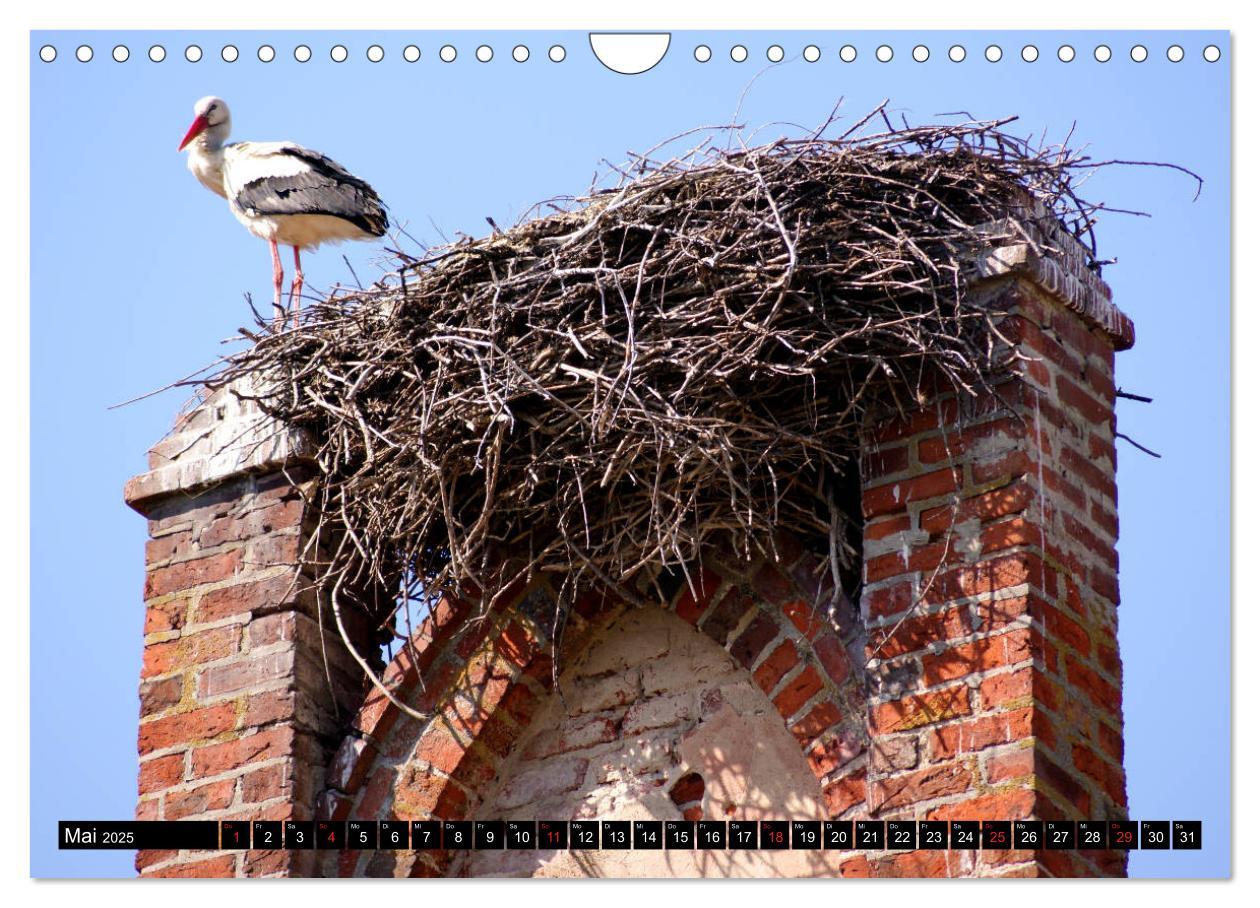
pixel 205 160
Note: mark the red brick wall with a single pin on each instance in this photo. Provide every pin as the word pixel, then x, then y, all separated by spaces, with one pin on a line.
pixel 978 677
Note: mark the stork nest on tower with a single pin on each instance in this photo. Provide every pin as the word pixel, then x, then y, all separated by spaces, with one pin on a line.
pixel 688 359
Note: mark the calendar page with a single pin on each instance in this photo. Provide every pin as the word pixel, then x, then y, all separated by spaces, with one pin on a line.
pixel 659 454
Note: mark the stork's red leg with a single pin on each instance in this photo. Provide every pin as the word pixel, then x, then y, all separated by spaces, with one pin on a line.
pixel 277 274
pixel 295 292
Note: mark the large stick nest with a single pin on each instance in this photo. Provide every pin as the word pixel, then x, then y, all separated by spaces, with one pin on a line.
pixel 687 359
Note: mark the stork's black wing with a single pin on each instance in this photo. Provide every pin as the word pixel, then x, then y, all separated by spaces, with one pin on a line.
pixel 321 187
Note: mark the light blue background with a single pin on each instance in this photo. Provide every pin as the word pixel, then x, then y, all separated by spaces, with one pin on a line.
pixel 137 272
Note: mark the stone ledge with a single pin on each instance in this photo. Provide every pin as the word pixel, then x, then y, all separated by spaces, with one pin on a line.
pixel 226 435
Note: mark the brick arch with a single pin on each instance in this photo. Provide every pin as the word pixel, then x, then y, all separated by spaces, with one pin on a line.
pixel 484 680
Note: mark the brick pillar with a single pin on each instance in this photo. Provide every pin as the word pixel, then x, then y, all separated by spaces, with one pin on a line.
pixel 991 585
pixel 236 711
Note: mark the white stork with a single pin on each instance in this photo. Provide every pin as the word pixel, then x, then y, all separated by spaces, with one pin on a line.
pixel 281 192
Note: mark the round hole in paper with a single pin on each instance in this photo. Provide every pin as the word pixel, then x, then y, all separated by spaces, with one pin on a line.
pixel 556 53
pixel 774 53
pixel 411 53
pixel 121 53
pixel 920 53
pixel 485 53
pixel 375 53
pixel 1102 53
pixel 192 53
pixel 229 53
pixel 266 53
pixel 157 53
pixel 48 53
pixel 811 53
pixel 739 53
pixel 1138 53
pixel 883 53
pixel 339 54
pixel 1211 53
pixel 993 53
pixel 520 53
pixel 1029 54
pixel 848 53
pixel 957 53
pixel 302 53
pixel 1067 53
pixel 83 53
pixel 1176 54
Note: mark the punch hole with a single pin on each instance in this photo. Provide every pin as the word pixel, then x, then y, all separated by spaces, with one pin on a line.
pixel 556 53
pixel 192 53
pixel 774 53
pixel 1176 54
pixel 229 53
pixel 83 53
pixel 485 53
pixel 958 53
pixel 883 53
pixel 302 53
pixel 703 54
pixel 447 53
pixel 520 53
pixel 1030 53
pixel 739 53
pixel 121 53
pixel 157 53
pixel 811 53
pixel 1211 53
pixel 920 53
pixel 1067 53
pixel 48 53
pixel 848 53
pixel 411 53
pixel 993 53
pixel 1138 54
pixel 1102 53
pixel 375 53
pixel 339 54
pixel 266 53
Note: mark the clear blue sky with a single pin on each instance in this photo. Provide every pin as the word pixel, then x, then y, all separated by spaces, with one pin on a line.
pixel 137 273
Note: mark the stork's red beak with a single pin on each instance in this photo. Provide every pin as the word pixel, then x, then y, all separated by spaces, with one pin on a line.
pixel 198 127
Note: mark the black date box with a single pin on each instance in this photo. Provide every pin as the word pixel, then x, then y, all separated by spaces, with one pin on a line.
pixel 1122 834
pixel 680 834
pixel 775 834
pixel 838 834
pixel 901 835
pixel 995 835
pixel 426 835
pixel 330 834
pixel 361 834
pixel 742 833
pixel 457 835
pixel 553 834
pixel 1061 835
pixel 615 834
pixel 648 834
pixel 1029 834
pixel 584 834
pixel 1156 834
pixel 299 834
pixel 488 835
pixel 393 835
pixel 1187 835
pixel 268 834
pixel 869 834
pixel 711 834
pixel 521 835
pixel 233 834
pixel 964 834
pixel 933 835
pixel 1091 835
pixel 807 834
